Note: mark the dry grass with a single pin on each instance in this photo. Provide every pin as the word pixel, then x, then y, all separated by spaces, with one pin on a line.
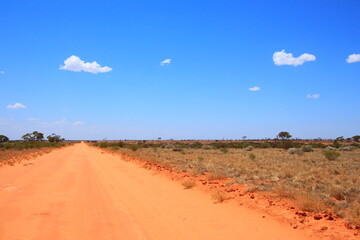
pixel 188 184
pixel 310 179
pixel 219 196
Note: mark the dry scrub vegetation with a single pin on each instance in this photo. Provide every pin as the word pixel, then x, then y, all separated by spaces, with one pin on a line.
pixel 15 152
pixel 309 178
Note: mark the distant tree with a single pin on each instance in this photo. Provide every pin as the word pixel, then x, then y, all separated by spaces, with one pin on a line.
pixel 55 138
pixel 340 139
pixel 244 137
pixel 284 135
pixel 159 138
pixel 3 138
pixel 356 138
pixel 34 136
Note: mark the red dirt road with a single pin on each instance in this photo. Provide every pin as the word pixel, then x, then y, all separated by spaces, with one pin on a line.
pixel 79 192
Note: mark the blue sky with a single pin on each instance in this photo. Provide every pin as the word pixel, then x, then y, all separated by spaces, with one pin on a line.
pixel 214 52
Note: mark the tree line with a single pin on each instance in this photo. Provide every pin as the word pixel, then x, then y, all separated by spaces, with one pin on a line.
pixel 35 136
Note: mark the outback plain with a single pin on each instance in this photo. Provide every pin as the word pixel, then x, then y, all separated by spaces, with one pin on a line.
pixel 279 189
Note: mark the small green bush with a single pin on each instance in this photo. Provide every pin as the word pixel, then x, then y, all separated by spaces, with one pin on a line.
pixel 331 155
pixel 134 147
pixel 224 150
pixel 307 148
pixel 103 144
pixel 252 156
pixel 115 148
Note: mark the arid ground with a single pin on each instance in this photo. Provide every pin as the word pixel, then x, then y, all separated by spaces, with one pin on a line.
pixel 82 192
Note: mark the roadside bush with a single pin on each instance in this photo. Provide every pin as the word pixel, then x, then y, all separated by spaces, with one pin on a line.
pixel 331 155
pixel 134 147
pixel 188 184
pixel 347 148
pixel 103 144
pixel 329 148
pixel 307 148
pixel 292 150
pixel 249 148
pixel 115 148
pixel 295 151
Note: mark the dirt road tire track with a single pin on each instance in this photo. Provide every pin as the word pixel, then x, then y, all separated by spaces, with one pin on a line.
pixel 81 193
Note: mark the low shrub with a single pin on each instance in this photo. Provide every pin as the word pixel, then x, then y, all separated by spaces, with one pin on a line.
pixel 188 184
pixel 331 155
pixel 115 148
pixel 329 148
pixel 249 148
pixel 224 150
pixel 252 156
pixel 292 150
pixel 219 196
pixel 307 148
pixel 347 148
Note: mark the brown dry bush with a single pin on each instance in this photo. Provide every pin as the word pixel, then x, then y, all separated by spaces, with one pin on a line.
pixel 219 196
pixel 188 184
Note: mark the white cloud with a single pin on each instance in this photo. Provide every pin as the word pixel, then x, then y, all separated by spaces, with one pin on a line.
pixel 283 58
pixel 353 58
pixel 33 119
pixel 16 105
pixel 254 88
pixel 78 123
pixel 312 96
pixel 2 72
pixel 54 123
pixel 75 64
pixel 166 61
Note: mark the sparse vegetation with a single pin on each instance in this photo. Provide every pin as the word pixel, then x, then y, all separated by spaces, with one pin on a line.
pixel 219 196
pixel 188 184
pixel 309 178
pixel 307 148
pixel 331 155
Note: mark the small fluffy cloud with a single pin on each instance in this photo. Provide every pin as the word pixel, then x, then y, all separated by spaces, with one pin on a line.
pixel 254 88
pixel 283 58
pixel 75 64
pixel 2 72
pixel 165 62
pixel 312 96
pixel 353 58
pixel 78 123
pixel 16 105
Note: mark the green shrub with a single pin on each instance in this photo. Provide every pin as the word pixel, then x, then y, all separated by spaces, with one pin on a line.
pixel 252 156
pixel 336 144
pixel 331 155
pixel 224 150
pixel 264 145
pixel 307 148
pixel 134 147
pixel 103 144
pixel 115 148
